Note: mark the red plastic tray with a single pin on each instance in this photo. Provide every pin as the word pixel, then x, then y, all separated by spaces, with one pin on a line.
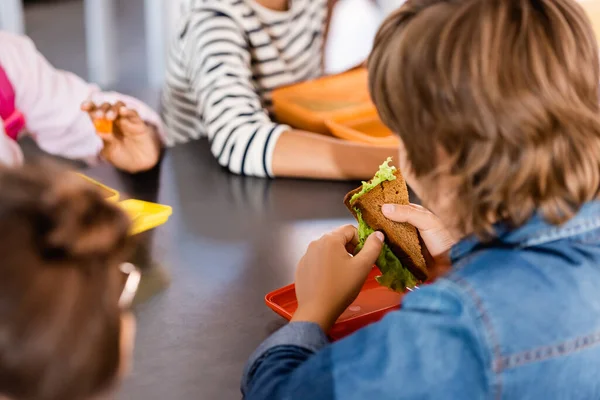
pixel 373 302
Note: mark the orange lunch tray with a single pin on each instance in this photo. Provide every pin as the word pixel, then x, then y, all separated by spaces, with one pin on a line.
pixel 373 302
pixel 363 127
pixel 309 104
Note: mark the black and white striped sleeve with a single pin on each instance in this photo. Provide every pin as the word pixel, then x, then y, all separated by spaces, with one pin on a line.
pixel 241 134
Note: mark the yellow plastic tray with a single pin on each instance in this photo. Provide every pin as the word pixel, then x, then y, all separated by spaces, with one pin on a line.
pixel 145 215
pixel 308 105
pixel 109 193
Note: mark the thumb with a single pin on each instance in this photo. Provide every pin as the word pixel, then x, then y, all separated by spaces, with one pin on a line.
pixel 107 138
pixel 368 254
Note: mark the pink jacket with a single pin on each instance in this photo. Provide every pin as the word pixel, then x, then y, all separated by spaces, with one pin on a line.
pixel 50 100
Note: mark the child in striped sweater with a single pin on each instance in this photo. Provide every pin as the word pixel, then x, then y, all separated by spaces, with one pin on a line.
pixel 56 108
pixel 228 57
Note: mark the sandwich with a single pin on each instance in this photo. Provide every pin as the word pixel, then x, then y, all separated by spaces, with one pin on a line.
pixel 401 261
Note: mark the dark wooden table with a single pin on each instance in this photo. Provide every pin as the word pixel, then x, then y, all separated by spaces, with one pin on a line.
pixel 230 241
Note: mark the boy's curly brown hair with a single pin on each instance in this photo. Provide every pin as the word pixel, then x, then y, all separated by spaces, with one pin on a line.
pixel 60 283
pixel 502 95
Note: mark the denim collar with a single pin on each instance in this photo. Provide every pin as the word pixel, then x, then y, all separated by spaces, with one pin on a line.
pixel 534 232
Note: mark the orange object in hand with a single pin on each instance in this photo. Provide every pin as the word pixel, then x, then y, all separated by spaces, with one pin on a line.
pixel 103 125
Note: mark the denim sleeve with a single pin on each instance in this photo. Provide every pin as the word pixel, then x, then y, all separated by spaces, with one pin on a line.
pixel 433 348
pixel 285 349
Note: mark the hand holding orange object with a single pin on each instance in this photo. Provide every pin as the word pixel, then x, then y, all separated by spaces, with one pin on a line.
pixel 130 143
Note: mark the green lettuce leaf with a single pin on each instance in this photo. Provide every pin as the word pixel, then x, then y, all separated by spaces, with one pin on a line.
pixel 385 173
pixel 394 275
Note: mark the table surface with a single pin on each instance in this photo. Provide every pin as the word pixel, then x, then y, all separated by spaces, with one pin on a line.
pixel 230 241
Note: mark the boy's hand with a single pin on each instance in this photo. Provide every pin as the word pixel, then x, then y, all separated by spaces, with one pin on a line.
pixel 129 143
pixel 328 278
pixel 436 237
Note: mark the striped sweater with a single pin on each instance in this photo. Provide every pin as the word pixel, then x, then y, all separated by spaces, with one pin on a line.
pixel 228 57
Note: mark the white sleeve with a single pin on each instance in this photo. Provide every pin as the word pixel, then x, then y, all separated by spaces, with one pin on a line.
pixel 10 152
pixel 51 99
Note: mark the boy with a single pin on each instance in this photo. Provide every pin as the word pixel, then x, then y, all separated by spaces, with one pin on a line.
pixel 52 106
pixel 496 104
pixel 227 59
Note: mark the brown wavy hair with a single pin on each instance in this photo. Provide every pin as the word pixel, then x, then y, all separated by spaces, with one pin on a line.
pixel 501 95
pixel 60 252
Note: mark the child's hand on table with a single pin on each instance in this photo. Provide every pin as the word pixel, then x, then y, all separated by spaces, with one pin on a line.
pixel 130 144
pixel 329 279
pixel 437 239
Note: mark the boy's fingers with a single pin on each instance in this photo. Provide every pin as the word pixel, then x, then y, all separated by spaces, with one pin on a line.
pixel 418 207
pixel 368 254
pixel 130 114
pixel 107 138
pixel 102 110
pixel 351 248
pixel 420 218
pixel 88 106
pixel 115 110
pixel 130 127
pixel 112 113
pixel 347 234
pixel 105 153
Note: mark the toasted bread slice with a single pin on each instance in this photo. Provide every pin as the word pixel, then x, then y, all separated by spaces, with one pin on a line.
pixel 402 238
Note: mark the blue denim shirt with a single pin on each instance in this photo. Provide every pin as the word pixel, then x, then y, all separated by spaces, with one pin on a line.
pixel 518 318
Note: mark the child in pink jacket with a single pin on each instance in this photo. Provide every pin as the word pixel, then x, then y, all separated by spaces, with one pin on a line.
pixel 57 109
